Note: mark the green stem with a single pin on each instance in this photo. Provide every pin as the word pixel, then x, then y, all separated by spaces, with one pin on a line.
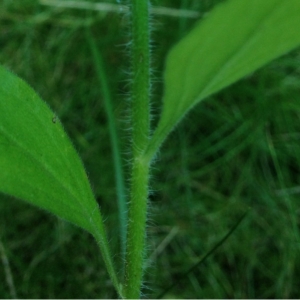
pixel 140 138
pixel 136 230
pixel 141 75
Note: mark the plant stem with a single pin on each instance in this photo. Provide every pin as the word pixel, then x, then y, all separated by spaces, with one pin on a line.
pixel 136 229
pixel 140 138
pixel 141 76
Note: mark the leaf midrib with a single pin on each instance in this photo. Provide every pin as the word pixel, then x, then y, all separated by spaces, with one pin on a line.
pixel 45 167
pixel 215 74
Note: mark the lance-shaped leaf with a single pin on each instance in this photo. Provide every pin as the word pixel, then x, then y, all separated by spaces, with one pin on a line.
pixel 38 163
pixel 232 41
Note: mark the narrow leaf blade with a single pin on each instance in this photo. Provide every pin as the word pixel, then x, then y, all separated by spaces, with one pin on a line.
pixel 232 41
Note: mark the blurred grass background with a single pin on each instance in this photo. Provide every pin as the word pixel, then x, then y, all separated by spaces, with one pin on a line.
pixel 238 149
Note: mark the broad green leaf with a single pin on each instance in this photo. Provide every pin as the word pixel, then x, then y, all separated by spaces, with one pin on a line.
pixel 38 163
pixel 232 41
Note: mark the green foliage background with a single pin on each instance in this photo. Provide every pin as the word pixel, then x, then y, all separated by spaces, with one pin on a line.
pixel 238 149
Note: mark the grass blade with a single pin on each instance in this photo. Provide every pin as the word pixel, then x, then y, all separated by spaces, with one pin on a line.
pixel 204 258
pixel 120 183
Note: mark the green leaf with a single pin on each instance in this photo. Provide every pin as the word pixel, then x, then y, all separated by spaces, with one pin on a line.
pixel 232 41
pixel 38 163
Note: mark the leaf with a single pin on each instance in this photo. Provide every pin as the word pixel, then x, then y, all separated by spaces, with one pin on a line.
pixel 232 41
pixel 39 164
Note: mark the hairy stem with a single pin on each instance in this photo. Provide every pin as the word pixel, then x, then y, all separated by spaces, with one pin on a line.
pixel 141 76
pixel 140 138
pixel 136 229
